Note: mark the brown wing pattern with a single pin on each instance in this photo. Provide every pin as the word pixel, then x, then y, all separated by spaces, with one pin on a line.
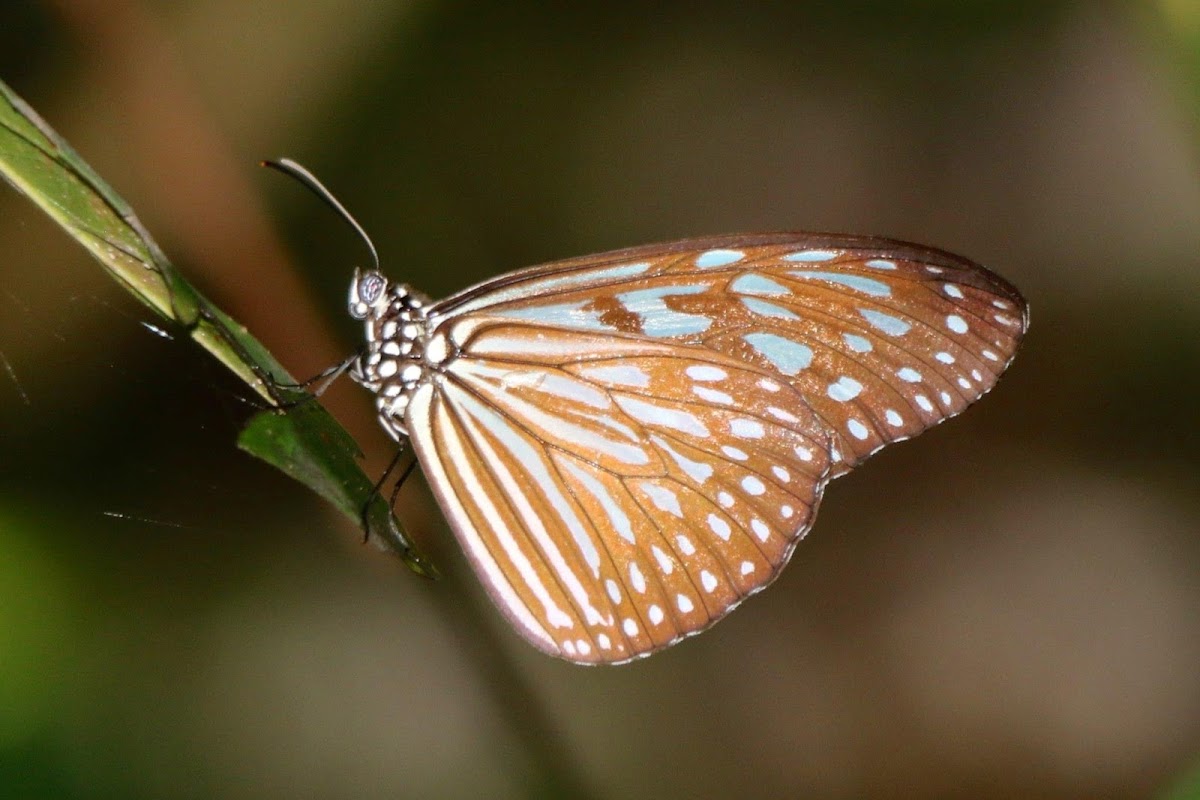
pixel 628 445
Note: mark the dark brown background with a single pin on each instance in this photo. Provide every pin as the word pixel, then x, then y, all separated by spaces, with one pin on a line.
pixel 1008 607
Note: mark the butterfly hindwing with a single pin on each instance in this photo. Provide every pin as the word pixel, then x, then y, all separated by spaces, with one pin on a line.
pixel 617 498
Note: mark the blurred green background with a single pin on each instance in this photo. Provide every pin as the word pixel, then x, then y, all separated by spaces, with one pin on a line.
pixel 1008 607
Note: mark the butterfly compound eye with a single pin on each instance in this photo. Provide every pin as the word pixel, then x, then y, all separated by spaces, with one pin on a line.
pixel 365 291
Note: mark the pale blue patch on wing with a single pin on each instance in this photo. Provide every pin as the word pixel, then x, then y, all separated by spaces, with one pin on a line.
pixel 867 285
pixel 753 283
pixel 618 375
pixel 881 263
pixel 548 486
pixel 612 509
pixel 610 273
pixel 768 309
pixel 660 320
pixel 652 414
pixel 811 255
pixel 663 498
pixel 696 470
pixel 787 356
pixel 496 386
pixel 560 315
pixel 571 388
pixel 718 258
pixel 533 288
pixel 885 322
pixel 857 343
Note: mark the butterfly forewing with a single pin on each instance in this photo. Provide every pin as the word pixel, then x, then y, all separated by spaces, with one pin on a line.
pixel 882 339
pixel 628 445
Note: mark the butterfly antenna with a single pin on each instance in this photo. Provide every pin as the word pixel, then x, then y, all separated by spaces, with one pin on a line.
pixel 306 178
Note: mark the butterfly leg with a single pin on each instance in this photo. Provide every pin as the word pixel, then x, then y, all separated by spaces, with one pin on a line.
pixel 324 378
pixel 377 489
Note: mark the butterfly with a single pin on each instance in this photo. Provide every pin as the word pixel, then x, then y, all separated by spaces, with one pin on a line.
pixel 628 445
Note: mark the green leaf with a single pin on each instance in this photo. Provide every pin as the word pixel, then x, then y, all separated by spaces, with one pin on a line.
pixel 300 438
pixel 303 444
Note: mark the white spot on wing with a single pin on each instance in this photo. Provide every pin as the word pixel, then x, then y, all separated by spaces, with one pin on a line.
pixel 665 565
pixel 956 323
pixel 706 372
pixel 636 579
pixel 614 591
pixel 782 414
pixel 747 428
pixel 719 526
pixel 712 395
pixel 734 453
pixel 845 390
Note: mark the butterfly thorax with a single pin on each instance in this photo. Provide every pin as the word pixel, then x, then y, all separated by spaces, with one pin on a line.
pixel 393 364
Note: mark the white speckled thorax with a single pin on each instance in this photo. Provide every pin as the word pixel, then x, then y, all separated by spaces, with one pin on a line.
pixel 397 359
